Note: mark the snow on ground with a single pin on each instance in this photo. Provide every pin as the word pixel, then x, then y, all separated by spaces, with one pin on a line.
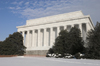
pixel 43 61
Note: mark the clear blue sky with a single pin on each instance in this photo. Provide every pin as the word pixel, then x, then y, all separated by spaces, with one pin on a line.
pixel 15 12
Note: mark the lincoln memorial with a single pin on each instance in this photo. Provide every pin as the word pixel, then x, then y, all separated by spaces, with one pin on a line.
pixel 39 34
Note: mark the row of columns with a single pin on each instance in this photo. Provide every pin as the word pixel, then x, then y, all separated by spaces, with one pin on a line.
pixel 46 36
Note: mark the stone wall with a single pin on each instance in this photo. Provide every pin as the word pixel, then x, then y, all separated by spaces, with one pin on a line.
pixel 36 52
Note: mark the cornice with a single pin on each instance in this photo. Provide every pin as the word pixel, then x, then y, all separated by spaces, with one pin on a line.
pixel 54 22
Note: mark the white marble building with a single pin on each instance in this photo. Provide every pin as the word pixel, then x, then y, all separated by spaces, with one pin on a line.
pixel 39 34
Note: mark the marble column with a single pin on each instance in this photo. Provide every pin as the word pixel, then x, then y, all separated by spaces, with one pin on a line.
pixel 48 36
pixel 27 39
pixel 87 27
pixel 33 38
pixel 41 37
pixel 51 36
pixel 65 27
pixel 38 37
pixel 80 27
pixel 30 38
pixel 72 25
pixel 45 37
pixel 23 34
pixel 84 31
pixel 58 30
